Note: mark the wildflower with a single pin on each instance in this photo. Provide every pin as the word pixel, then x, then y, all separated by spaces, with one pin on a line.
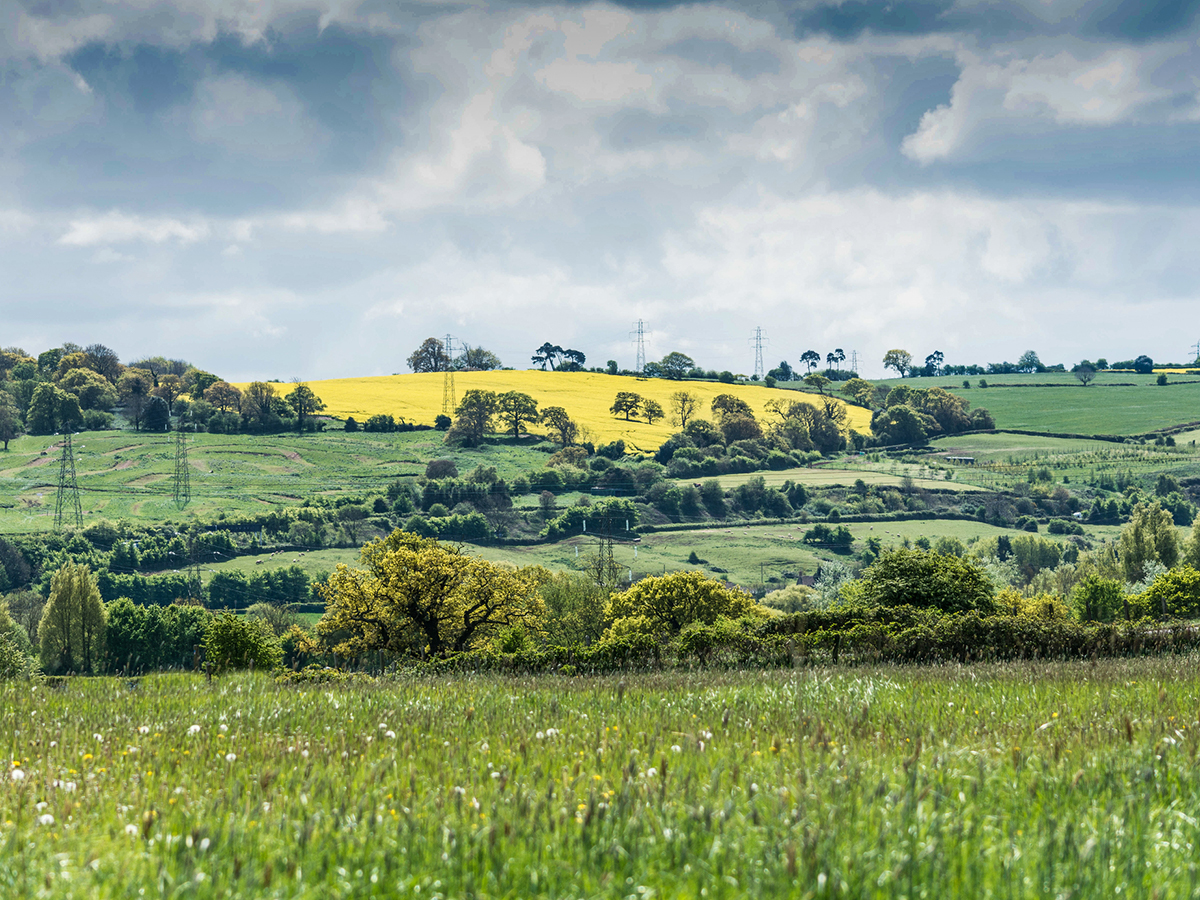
pixel 53 744
pixel 98 737
pixel 204 843
pixel 651 772
pixel 223 727
pixel 194 729
pixel 383 726
pixel 131 830
pixel 230 757
pixel 17 775
pixel 541 735
pixel 145 729
pixel 675 748
pixel 46 819
pixel 389 734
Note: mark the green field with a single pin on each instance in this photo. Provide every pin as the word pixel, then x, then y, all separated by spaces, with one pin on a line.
pixel 843 473
pixel 1031 780
pixel 130 475
pixel 1103 407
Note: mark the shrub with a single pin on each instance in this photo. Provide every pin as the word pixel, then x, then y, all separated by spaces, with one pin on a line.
pixel 923 578
pixel 1097 599
pixel 669 602
pixel 236 642
pixel 441 468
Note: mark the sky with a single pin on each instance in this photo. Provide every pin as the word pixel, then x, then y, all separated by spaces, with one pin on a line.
pixel 309 188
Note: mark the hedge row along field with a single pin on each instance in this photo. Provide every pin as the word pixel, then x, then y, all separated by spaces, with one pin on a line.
pixel 1030 780
pixel 586 396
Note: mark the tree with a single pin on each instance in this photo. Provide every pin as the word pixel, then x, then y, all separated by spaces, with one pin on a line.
pixel 566 428
pixel 302 399
pixel 1085 372
pixel 683 407
pixel 901 424
pixel 547 355
pixel 1029 362
pixel 933 363
pixel 1143 365
pixel 924 579
pixel 626 403
pixel 835 358
pixel 515 409
pixel 169 388
pixel 860 390
pixel 223 395
pixel 240 642
pixel 900 360
pixel 431 356
pixel 197 381
pixel 71 631
pixel 1149 537
pixel 652 410
pixel 671 602
pixel 156 416
pixel 258 403
pixel 415 593
pixel 810 359
pixel 782 372
pixel 10 420
pixel 573 361
pixel 52 410
pixel 134 389
pixel 676 365
pixel 476 358
pixel 473 417
pixel 92 389
pixel 818 382
pixel 104 361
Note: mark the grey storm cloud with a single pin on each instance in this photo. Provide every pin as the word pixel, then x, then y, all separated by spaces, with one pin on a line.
pixel 311 188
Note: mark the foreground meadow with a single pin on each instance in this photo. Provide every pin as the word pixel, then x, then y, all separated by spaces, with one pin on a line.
pixel 1016 781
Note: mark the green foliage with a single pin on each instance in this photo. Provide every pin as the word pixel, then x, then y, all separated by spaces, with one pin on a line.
pixel 617 510
pixel 238 642
pixel 1097 599
pixel 669 602
pixel 71 631
pixel 416 594
pixel 1149 536
pixel 1175 593
pixel 921 578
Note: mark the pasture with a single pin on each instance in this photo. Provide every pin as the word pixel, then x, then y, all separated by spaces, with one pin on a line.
pixel 130 474
pixel 1120 403
pixel 1029 780
pixel 586 396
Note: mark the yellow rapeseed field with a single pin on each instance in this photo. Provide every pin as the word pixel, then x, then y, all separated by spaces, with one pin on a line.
pixel 586 396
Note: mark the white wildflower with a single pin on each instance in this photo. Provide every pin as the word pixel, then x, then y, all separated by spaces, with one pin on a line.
pixel 194 729
pixel 230 757
pixel 144 729
pixel 675 748
pixel 17 775
pixel 131 830
pixel 389 735
pixel 46 819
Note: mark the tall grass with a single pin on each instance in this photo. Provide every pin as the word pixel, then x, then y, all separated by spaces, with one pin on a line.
pixel 1017 780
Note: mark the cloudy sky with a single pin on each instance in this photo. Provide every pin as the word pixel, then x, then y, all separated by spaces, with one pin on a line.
pixel 308 188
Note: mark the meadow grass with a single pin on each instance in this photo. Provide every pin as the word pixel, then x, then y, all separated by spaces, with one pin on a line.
pixel 130 475
pixel 586 396
pixel 1019 780
pixel 1115 403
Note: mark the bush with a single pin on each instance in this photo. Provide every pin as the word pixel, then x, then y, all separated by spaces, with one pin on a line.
pixel 96 420
pixel 1097 599
pixel 922 578
pixel 441 468
pixel 669 602
pixel 1064 526
pixel 235 642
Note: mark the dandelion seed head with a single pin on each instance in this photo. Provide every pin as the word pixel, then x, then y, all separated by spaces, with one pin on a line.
pixel 230 757
pixel 17 775
pixel 144 729
pixel 194 729
pixel 131 830
pixel 389 735
pixel 46 819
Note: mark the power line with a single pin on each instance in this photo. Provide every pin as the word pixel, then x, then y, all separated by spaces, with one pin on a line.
pixel 640 337
pixel 759 368
pixel 448 399
pixel 183 479
pixel 68 488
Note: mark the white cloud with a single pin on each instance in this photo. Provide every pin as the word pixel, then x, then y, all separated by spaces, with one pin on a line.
pixel 118 228
pixel 1104 88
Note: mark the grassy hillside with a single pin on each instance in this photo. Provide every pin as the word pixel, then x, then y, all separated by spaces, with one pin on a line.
pixel 1115 403
pixel 586 396
pixel 131 475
